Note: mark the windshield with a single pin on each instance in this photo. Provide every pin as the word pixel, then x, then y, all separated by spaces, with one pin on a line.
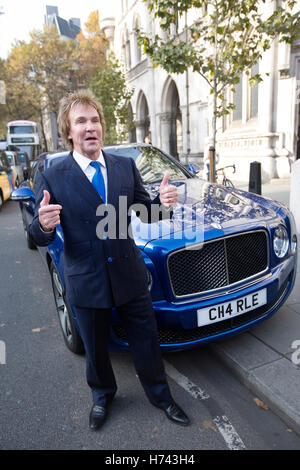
pixel 22 130
pixel 10 159
pixel 57 159
pixel 22 157
pixel 31 150
pixel 151 163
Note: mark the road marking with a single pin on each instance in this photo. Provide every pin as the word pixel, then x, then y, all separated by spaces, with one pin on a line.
pixel 2 352
pixel 226 429
pixel 231 437
pixel 185 383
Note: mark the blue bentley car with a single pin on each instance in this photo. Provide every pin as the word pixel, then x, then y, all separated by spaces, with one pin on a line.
pixel 224 262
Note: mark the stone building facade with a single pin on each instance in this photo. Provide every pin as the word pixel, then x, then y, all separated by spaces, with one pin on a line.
pixel 175 109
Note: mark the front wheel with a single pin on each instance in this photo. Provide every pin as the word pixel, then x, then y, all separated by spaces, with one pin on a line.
pixel 228 183
pixel 30 244
pixel 70 334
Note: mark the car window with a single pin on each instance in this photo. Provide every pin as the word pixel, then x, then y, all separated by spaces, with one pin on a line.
pixel 151 163
pixel 10 158
pixel 22 130
pixel 21 157
pixel 37 168
pixel 56 160
pixel 4 160
pixel 32 173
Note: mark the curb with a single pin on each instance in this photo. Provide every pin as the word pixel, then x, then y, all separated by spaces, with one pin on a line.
pixel 261 378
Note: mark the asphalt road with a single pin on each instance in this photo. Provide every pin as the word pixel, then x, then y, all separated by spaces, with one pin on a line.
pixel 44 400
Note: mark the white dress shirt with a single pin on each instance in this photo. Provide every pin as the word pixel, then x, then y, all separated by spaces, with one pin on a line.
pixel 88 170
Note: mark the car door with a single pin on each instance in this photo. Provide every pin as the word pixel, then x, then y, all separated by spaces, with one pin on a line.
pixel 4 179
pixel 28 207
pixel 10 173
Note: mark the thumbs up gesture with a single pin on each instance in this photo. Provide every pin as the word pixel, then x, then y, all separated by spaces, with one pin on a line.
pixel 49 214
pixel 168 193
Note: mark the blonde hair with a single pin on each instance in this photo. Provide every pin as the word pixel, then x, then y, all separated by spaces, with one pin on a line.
pixel 84 97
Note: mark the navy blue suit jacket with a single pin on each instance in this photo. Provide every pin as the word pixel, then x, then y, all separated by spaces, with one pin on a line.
pixel 99 273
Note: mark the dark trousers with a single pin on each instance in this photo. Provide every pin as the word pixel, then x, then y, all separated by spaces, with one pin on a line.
pixel 139 322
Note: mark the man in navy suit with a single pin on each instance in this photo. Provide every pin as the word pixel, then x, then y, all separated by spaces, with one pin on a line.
pixel 103 272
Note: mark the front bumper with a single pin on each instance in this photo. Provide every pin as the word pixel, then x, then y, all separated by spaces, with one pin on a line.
pixel 177 321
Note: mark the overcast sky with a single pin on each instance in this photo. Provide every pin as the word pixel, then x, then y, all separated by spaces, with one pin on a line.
pixel 22 16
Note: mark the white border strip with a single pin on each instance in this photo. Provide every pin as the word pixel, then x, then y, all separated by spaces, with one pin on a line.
pixel 230 436
pixel 227 431
pixel 185 383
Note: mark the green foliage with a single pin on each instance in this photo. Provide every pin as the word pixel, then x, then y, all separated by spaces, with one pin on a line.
pixel 227 38
pixel 39 73
pixel 109 86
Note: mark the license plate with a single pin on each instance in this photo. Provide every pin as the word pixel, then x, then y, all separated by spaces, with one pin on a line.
pixel 231 309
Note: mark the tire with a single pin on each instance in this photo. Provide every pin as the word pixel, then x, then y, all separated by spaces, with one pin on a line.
pixel 228 183
pixel 71 336
pixel 30 244
pixel 1 201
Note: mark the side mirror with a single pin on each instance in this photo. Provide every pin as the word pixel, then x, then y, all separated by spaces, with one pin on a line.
pixel 26 173
pixel 22 194
pixel 193 168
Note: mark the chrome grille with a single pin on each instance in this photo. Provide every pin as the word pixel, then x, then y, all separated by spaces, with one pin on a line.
pixel 217 264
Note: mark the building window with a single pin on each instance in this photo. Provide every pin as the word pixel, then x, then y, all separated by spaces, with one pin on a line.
pixel 253 92
pixel 138 50
pixel 126 55
pixel 238 101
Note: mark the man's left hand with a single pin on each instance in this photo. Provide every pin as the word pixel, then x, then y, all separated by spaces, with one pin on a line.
pixel 168 193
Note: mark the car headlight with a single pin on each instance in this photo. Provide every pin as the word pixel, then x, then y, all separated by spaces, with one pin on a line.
pixel 280 241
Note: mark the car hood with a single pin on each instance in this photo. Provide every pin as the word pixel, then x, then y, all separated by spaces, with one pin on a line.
pixel 205 208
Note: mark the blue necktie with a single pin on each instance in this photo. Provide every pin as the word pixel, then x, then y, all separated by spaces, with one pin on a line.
pixel 98 180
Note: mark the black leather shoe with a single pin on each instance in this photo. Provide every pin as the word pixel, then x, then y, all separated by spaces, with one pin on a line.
pixel 98 415
pixel 176 414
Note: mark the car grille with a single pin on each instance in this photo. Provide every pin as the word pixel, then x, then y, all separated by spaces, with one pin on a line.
pixel 173 335
pixel 217 264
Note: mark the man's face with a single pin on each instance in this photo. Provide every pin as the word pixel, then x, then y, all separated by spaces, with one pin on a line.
pixel 85 130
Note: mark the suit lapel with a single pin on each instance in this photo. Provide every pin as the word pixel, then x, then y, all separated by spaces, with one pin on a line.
pixel 78 180
pixel 113 179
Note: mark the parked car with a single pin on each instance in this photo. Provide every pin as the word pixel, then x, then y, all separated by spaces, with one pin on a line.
pixel 3 144
pixel 7 178
pixel 5 188
pixel 224 262
pixel 20 164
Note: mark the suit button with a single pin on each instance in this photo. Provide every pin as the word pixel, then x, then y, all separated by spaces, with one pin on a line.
pixel 109 259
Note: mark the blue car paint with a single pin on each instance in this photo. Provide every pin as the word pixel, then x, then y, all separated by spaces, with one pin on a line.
pixel 227 212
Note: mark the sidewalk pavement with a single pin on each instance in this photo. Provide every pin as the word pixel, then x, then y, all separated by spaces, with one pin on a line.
pixel 266 358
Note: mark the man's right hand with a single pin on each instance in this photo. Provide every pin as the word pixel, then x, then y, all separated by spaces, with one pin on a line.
pixel 49 214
